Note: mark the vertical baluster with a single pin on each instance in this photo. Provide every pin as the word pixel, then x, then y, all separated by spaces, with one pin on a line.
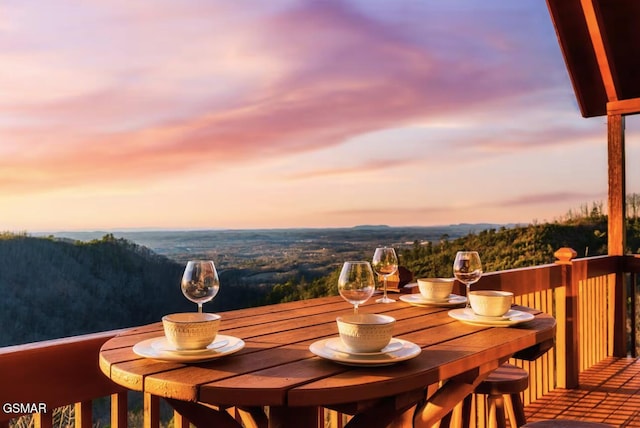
pixel 83 414
pixel 43 420
pixel 119 410
pixel 179 421
pixel 151 411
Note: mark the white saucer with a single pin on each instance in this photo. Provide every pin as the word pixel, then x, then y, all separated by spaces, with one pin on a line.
pixel 407 351
pixel 159 349
pixel 163 345
pixel 417 299
pixel 512 317
pixel 335 344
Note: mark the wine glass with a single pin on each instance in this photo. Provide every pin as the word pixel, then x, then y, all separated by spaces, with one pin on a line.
pixel 356 283
pixel 467 268
pixel 385 263
pixel 200 282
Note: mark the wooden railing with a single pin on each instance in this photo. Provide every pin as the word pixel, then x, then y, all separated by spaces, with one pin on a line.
pixel 588 297
pixel 56 373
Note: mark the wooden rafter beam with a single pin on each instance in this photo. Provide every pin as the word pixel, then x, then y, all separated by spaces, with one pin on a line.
pixel 600 51
pixel 624 107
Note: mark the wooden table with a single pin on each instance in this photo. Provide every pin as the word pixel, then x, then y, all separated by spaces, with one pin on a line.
pixel 276 368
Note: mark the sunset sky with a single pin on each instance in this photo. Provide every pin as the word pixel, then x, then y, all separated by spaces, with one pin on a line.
pixel 192 114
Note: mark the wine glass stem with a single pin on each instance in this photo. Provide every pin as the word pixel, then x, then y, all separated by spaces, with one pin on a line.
pixel 355 309
pixel 468 300
pixel 384 292
pixel 199 308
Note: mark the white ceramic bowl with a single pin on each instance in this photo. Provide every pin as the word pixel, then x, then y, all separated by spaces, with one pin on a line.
pixel 365 332
pixel 190 330
pixel 435 288
pixel 490 303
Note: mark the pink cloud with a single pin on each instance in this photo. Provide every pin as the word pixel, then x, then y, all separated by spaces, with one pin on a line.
pixel 447 213
pixel 365 167
pixel 345 75
pixel 550 198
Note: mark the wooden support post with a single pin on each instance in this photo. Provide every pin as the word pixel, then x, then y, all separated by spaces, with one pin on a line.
pixel 572 317
pixel 617 187
pixel 617 226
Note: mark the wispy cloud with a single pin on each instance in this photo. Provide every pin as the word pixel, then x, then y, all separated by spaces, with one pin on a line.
pixel 567 198
pixel 333 74
pixel 372 166
pixel 110 94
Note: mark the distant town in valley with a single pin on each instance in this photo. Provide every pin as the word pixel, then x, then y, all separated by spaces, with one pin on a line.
pixel 274 254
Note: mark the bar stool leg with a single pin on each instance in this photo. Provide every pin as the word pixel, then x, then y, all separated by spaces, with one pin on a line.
pixel 466 411
pixel 497 417
pixel 518 409
pixel 446 421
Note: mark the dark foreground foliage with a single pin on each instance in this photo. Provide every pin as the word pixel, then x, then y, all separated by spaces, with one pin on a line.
pixel 54 288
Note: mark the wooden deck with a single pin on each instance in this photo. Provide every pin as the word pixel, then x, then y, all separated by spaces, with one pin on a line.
pixel 609 392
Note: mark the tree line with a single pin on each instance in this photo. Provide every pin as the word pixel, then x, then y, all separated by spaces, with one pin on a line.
pixel 500 249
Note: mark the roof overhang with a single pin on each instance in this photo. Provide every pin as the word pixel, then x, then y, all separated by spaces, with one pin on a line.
pixel 600 42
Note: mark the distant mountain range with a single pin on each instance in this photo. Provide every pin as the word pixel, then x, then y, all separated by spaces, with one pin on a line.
pixel 182 244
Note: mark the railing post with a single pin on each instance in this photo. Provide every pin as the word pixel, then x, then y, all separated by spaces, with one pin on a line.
pixel 571 318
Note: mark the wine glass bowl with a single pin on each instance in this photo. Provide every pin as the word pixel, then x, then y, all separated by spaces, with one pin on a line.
pixel 200 282
pixel 467 268
pixel 356 283
pixel 385 263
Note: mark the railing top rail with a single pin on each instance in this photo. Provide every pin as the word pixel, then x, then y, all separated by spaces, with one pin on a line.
pixel 524 280
pixel 70 340
pixel 631 263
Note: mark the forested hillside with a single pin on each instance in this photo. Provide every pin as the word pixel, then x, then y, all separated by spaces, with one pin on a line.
pixel 500 249
pixel 516 247
pixel 53 288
